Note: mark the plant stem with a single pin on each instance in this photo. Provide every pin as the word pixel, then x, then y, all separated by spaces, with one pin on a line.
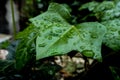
pixel 13 19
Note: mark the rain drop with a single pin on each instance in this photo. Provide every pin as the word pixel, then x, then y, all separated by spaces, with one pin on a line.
pixel 95 56
pixel 69 36
pixel 58 31
pixel 50 37
pixel 54 34
pixel 46 27
pixel 100 26
pixel 42 45
pixel 71 31
pixel 94 36
pixel 64 30
pixel 82 47
pixel 113 29
pixel 88 53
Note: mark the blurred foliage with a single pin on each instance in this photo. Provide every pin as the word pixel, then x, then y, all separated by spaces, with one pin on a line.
pixel 115 73
pixel 4 45
pixel 105 10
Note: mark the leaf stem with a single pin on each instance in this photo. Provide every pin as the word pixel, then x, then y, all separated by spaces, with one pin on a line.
pixel 13 19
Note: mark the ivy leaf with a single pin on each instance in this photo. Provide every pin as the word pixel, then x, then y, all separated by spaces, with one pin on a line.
pixel 58 37
pixel 91 34
pixel 85 39
pixel 112 37
pixel 102 11
pixel 52 24
pixel 90 6
pixel 112 13
pixel 105 5
pixel 62 9
pixel 55 13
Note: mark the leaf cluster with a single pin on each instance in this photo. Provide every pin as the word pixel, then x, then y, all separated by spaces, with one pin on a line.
pixel 50 33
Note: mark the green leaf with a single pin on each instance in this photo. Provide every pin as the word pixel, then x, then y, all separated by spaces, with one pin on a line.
pixel 90 6
pixel 55 13
pixel 114 72
pixel 91 34
pixel 112 13
pixel 58 37
pixel 85 39
pixel 26 46
pixel 102 11
pixel 105 5
pixel 62 9
pixel 52 17
pixel 112 37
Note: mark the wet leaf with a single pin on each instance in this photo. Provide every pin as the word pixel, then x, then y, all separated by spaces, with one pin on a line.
pixel 91 34
pixel 80 39
pixel 112 37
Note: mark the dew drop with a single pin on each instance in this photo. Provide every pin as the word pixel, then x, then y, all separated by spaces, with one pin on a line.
pixel 71 31
pixel 94 36
pixel 42 45
pixel 95 56
pixel 46 27
pixel 82 47
pixel 113 29
pixel 50 37
pixel 88 53
pixel 100 26
pixel 54 34
pixel 64 30
pixel 69 35
pixel 58 31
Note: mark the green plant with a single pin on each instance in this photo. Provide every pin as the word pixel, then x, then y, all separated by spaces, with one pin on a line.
pixel 50 34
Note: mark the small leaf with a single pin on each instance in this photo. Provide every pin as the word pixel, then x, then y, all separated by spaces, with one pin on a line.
pixel 26 45
pixel 91 34
pixel 55 13
pixel 62 9
pixel 112 37
pixel 105 5
pixel 90 5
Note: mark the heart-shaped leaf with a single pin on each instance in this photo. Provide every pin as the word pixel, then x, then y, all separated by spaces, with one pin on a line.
pixel 57 40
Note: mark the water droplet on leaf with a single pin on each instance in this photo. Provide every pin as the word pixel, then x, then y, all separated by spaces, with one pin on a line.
pixel 88 53
pixel 46 27
pixel 82 47
pixel 58 31
pixel 94 36
pixel 69 35
pixel 42 45
pixel 49 37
